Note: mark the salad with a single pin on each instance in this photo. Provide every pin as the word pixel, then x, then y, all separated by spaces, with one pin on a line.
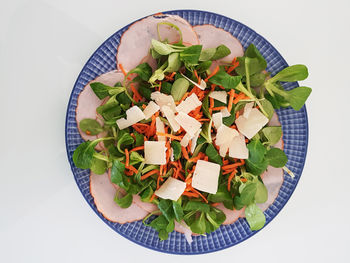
pixel 184 134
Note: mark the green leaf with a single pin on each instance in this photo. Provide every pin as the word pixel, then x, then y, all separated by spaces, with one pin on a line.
pixel 163 234
pixel 118 176
pixel 256 168
pixel 221 52
pixel 98 166
pixel 109 110
pixel 176 146
pixel 196 206
pixel 124 140
pixel 255 217
pixel 248 193
pixel 267 107
pixel 216 217
pixel 257 62
pixel 221 195
pixel 205 106
pixel 206 131
pixel 237 202
pixel 139 139
pixel 166 88
pixel 207 54
pixel 136 158
pixel 146 194
pixel 161 48
pixel 190 55
pixel 203 66
pixel 165 206
pixel 180 87
pixel 227 81
pixel 178 211
pixel 123 202
pixel 257 79
pixel 199 225
pixel 174 62
pixel 261 192
pixel 213 154
pixel 144 71
pixel 273 134
pixel 90 126
pixel 276 157
pixel 298 96
pixel 257 151
pixel 145 92
pixel 83 154
pixel 102 91
pixel 170 227
pixel 291 74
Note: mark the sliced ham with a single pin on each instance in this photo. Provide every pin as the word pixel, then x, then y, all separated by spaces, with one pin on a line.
pixel 273 180
pixel 136 41
pixel 148 207
pixel 231 215
pixel 211 37
pixel 88 102
pixel 103 193
pixel 184 229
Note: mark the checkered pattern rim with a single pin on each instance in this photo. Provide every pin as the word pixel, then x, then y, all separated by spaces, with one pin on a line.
pixel 295 136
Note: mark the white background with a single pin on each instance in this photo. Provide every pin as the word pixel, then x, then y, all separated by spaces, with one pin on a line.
pixel 44 45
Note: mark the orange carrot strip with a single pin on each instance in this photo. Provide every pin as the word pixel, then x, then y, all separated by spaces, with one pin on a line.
pixel 183 97
pixel 142 125
pixel 152 197
pixel 123 70
pixel 137 129
pixel 229 166
pixel 136 93
pixel 203 197
pixel 240 96
pixel 184 152
pixel 137 149
pixel 213 73
pixel 143 177
pixel 126 157
pixel 218 108
pixel 128 173
pixel 232 175
pixel 190 194
pixel 132 168
pixel 244 180
pixel 237 115
pixel 230 101
pixel 169 136
pixel 215 204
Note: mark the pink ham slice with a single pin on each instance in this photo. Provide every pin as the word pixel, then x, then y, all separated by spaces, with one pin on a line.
pixel 184 229
pixel 231 215
pixel 103 193
pixel 210 37
pixel 136 41
pixel 88 102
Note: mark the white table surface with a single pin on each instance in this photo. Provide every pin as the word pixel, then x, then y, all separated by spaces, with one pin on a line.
pixel 43 46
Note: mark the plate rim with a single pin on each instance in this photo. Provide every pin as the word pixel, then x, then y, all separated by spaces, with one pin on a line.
pixel 136 241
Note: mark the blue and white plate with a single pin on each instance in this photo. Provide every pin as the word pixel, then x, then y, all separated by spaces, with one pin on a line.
pixel 295 136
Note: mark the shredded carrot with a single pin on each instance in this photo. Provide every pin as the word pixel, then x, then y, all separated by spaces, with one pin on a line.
pixel 196 75
pixel 136 93
pixel 244 180
pixel 232 175
pixel 181 176
pixel 234 126
pixel 201 120
pixel 142 125
pixel 189 146
pixel 143 177
pixel 152 197
pixel 203 197
pixel 235 64
pixel 234 165
pixel 230 101
pixel 123 70
pixel 178 138
pixel 132 168
pixel 240 96
pixel 237 115
pixel 190 194
pixel 183 97
pixel 215 204
pixel 143 106
pixel 213 73
pixel 128 173
pixel 152 128
pixel 137 149
pixel 126 157
pixel 88 132
pixel 137 129
pixel 218 108
pixel 184 152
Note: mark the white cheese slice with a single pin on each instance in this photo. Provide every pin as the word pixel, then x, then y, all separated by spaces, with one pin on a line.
pixel 225 112
pixel 217 119
pixel 219 95
pixel 202 84
pixel 189 124
pixel 189 104
pixel 150 109
pixel 185 140
pixel 133 115
pixel 160 128
pixel 155 152
pixel 224 135
pixel 171 189
pixel 238 148
pixel 247 109
pixel 194 140
pixel 170 115
pixel 163 100
pixel 206 176
pixel 223 149
pixel 252 124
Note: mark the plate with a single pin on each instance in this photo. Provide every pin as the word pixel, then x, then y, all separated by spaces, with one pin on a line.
pixel 295 136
